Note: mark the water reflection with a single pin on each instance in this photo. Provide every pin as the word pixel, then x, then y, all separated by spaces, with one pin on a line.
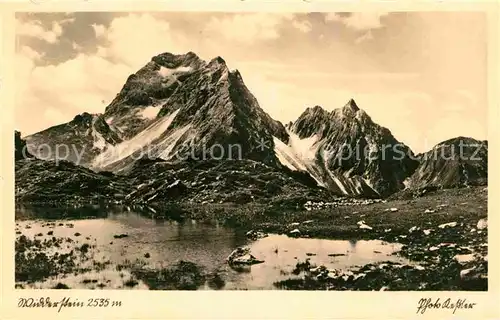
pixel 166 242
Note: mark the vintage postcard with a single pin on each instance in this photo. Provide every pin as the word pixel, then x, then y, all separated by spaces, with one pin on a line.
pixel 153 150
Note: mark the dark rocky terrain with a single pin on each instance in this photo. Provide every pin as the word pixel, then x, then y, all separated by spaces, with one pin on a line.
pixel 62 181
pixel 157 182
pixel 20 148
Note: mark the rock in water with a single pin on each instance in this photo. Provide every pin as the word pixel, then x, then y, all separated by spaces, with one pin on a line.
pixel 242 255
pixel 238 252
pixel 247 259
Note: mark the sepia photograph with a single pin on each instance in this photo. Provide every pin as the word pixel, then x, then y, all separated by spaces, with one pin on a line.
pixel 343 151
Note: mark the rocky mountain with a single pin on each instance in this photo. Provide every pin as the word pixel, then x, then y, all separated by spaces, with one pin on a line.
pixel 156 182
pixel 20 148
pixel 218 181
pixel 77 141
pixel 456 162
pixel 47 180
pixel 178 107
pixel 345 151
pixel 61 180
pixel 199 129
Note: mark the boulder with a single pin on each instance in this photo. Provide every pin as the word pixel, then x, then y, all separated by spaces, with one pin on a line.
pixel 448 225
pixel 247 259
pixel 482 224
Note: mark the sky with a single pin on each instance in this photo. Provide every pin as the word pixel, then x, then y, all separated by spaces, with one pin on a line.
pixel 423 75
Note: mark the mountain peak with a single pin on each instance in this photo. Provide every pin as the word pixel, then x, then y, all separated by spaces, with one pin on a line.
pixel 84 117
pixel 170 60
pixel 316 110
pixel 217 62
pixel 351 105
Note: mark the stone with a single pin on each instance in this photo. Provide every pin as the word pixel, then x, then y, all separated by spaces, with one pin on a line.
pixel 447 225
pixel 464 258
pixel 482 224
pixel 363 225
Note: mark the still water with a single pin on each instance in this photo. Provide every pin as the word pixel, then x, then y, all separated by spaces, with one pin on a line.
pixel 166 242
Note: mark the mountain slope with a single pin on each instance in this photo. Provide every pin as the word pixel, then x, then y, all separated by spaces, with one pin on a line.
pixel 205 111
pixel 77 141
pixel 456 162
pixel 20 148
pixel 182 110
pixel 347 152
pixel 155 182
pixel 38 180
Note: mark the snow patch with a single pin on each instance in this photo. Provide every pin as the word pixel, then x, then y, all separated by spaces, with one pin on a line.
pixel 99 141
pixel 338 183
pixel 165 72
pixel 149 112
pixel 286 155
pixel 299 155
pixel 304 149
pixel 464 258
pixel 406 183
pixel 137 143
pixel 170 141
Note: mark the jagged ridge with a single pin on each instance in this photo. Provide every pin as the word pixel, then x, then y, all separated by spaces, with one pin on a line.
pixel 351 154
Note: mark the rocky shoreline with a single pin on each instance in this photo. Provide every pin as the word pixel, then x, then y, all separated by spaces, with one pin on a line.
pixel 444 235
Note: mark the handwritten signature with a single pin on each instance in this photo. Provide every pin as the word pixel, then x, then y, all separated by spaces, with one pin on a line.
pixel 426 303
pixel 67 302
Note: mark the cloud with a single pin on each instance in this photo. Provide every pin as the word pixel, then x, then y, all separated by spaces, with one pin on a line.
pixel 365 37
pixel 56 93
pixel 67 20
pixel 99 30
pixel 36 30
pixel 54 115
pixel 76 46
pixel 248 27
pixel 30 53
pixel 304 26
pixel 359 21
pixel 49 95
pixel 134 39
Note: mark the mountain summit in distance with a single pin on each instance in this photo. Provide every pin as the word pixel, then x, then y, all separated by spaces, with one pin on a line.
pixel 347 152
pixel 180 108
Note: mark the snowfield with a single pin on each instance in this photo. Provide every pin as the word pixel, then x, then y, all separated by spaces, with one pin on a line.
pixel 140 142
